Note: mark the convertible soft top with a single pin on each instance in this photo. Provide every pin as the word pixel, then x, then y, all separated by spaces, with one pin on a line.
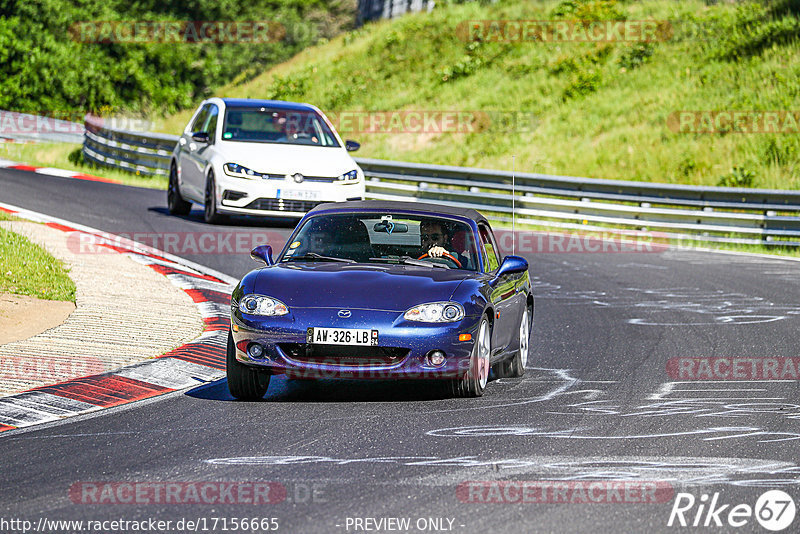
pixel 392 205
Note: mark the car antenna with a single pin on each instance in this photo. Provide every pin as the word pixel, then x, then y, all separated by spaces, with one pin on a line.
pixel 513 196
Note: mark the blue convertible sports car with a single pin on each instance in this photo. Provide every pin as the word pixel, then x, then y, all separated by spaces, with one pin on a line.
pixel 382 290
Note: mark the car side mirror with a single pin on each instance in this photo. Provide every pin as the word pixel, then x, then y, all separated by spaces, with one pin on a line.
pixel 262 253
pixel 351 146
pixel 200 137
pixel 512 265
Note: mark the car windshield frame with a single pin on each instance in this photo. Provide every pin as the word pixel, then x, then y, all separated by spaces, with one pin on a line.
pixel 299 245
pixel 298 127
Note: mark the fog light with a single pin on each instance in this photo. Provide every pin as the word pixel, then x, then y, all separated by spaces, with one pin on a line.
pixel 436 358
pixel 255 350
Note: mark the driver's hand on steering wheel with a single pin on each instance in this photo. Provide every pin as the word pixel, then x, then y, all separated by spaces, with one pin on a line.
pixel 437 252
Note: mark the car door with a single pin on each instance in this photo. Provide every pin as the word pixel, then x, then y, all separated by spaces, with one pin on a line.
pixel 186 158
pixel 503 293
pixel 201 155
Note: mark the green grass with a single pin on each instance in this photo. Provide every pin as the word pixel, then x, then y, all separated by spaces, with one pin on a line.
pixel 28 269
pixel 601 110
pixel 58 155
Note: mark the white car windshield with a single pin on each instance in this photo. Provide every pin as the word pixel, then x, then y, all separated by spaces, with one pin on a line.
pixel 385 238
pixel 276 125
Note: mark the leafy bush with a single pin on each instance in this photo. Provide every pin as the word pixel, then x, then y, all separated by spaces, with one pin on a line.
pixel 737 177
pixel 589 10
pixel 636 55
pixel 46 68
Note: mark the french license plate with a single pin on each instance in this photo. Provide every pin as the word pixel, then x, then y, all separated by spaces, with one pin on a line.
pixel 298 194
pixel 341 336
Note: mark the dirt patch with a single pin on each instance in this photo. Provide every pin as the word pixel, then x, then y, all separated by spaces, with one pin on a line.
pixel 22 317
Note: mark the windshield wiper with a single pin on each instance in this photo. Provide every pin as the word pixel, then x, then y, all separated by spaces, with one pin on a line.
pixel 313 256
pixel 408 260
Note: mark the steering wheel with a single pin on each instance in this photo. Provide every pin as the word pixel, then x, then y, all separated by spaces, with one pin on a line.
pixel 446 256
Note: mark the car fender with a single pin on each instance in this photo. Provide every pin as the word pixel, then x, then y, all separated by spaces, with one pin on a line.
pixel 473 295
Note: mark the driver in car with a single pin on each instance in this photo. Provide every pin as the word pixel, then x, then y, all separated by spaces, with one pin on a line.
pixel 435 241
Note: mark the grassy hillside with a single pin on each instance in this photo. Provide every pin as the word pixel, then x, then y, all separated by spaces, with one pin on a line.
pixel 601 109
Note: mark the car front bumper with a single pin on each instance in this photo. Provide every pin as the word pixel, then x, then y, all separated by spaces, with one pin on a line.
pixel 280 197
pixel 402 350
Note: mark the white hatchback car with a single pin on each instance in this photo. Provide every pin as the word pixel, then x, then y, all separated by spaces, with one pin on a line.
pixel 260 157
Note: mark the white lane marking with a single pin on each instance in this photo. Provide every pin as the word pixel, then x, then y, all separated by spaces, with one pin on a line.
pixel 56 172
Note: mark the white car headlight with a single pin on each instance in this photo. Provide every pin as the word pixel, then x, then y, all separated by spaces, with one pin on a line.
pixel 350 176
pixel 261 305
pixel 435 312
pixel 234 169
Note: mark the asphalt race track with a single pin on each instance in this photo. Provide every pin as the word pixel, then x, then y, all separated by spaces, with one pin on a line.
pixel 599 404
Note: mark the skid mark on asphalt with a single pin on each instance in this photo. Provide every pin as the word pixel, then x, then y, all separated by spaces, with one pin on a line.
pixel 769 403
pixel 688 471
pixel 678 306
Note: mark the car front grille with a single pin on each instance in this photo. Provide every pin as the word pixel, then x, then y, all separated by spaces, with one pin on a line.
pixel 267 176
pixel 279 204
pixel 344 355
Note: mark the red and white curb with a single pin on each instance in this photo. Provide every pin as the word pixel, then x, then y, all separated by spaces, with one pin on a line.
pixel 197 362
pixel 51 171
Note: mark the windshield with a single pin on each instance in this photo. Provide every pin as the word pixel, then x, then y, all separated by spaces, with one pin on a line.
pixel 385 238
pixel 275 125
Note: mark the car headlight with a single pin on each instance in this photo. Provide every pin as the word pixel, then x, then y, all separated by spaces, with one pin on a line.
pixel 234 169
pixel 261 305
pixel 349 176
pixel 435 312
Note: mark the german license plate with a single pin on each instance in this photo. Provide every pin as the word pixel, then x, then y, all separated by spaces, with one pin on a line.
pixel 341 336
pixel 298 194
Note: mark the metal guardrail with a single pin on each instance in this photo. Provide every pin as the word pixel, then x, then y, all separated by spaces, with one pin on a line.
pixel 139 152
pixel 724 214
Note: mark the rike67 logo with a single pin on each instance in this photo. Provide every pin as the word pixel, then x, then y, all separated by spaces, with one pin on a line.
pixel 774 510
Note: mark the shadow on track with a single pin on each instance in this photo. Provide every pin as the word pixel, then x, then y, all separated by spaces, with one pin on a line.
pixel 282 389
pixel 196 216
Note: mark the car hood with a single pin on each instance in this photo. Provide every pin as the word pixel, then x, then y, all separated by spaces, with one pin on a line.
pixel 287 159
pixel 376 287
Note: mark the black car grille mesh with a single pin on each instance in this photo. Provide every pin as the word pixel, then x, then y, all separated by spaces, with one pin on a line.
pixel 278 204
pixel 344 355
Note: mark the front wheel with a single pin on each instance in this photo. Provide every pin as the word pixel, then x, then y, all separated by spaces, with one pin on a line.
pixel 175 202
pixel 210 214
pixel 243 382
pixel 473 382
pixel 515 367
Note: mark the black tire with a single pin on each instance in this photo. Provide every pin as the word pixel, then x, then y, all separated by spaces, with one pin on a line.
pixel 473 382
pixel 244 382
pixel 210 213
pixel 515 367
pixel 175 202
